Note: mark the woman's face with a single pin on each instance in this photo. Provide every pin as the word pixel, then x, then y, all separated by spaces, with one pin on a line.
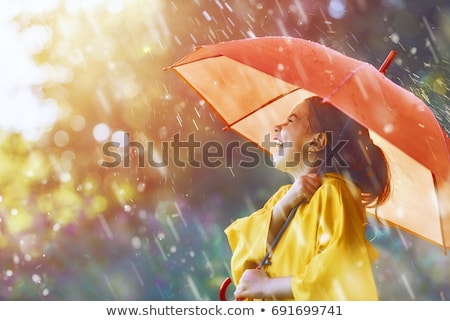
pixel 293 138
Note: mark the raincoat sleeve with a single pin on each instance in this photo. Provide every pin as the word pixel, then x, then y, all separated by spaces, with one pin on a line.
pixel 341 267
pixel 247 237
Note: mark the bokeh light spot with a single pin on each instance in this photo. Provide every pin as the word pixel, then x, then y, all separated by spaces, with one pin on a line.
pixel 336 9
pixel 61 138
pixel 77 123
pixel 101 132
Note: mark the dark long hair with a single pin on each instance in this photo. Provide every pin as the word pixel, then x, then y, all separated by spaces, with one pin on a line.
pixel 351 152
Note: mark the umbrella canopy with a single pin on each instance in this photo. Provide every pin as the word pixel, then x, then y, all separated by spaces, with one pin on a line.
pixel 252 84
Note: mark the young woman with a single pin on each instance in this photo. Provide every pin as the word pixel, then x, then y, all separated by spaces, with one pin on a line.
pixel 323 254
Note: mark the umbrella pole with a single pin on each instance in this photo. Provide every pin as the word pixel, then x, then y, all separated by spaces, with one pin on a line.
pixel 266 259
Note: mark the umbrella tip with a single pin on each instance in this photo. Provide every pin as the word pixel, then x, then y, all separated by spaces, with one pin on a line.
pixel 387 61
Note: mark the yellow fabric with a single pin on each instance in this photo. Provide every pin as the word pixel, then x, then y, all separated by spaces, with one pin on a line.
pixel 324 248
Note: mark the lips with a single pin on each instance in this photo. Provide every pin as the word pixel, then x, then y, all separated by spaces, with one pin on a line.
pixel 278 141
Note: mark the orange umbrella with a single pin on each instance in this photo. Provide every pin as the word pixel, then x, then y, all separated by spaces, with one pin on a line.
pixel 252 84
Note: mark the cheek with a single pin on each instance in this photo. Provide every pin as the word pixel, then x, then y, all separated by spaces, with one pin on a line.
pixel 300 138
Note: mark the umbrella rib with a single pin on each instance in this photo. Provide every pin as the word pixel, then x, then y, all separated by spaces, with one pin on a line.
pixel 200 95
pixel 444 241
pixel 228 126
pixel 347 78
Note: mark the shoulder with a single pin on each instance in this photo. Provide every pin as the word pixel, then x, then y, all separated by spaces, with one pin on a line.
pixel 337 184
pixel 336 195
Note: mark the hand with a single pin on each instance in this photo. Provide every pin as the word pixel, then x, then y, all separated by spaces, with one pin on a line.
pixel 251 285
pixel 303 187
pixel 256 284
pixel 307 185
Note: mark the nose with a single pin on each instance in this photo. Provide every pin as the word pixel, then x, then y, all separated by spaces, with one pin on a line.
pixel 279 127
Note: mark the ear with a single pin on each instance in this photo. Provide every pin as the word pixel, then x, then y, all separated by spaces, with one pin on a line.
pixel 318 142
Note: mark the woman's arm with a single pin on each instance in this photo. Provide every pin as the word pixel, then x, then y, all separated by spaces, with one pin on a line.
pixel 303 188
pixel 255 283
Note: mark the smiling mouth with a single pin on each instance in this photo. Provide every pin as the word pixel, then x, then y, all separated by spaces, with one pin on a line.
pixel 278 142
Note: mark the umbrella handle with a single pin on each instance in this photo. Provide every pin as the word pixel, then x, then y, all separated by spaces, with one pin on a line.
pixel 223 290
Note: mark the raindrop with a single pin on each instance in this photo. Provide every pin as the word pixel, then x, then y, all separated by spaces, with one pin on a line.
pixel 110 287
pixel 105 227
pixel 56 227
pixel 206 15
pixel 195 124
pixel 336 8
pixel 195 291
pixel 158 244
pixel 138 275
pixel 65 177
pixel 163 132
pixel 208 264
pixel 395 38
pixel 408 287
pixel 45 292
pixel 141 187
pixel 427 25
pixel 280 67
pixel 388 128
pixel 36 278
pixel 228 7
pixel 136 243
pixel 219 4
pixel 180 121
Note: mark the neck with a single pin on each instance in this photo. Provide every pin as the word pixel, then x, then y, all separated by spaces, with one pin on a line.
pixel 297 172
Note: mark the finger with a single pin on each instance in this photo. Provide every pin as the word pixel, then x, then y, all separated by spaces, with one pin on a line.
pixel 313 181
pixel 309 187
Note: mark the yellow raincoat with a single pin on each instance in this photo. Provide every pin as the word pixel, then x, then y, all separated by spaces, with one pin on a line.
pixel 324 248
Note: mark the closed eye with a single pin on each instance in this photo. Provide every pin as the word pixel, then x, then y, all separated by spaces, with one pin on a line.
pixel 291 118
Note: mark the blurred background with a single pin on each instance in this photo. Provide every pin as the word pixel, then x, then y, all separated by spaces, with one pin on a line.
pixel 76 75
